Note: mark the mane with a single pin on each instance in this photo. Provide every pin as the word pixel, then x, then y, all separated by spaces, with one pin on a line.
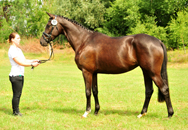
pixel 75 22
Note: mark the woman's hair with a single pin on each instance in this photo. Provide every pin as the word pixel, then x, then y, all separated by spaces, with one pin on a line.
pixel 12 35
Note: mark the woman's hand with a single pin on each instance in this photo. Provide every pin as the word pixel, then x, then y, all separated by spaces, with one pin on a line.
pixel 35 60
pixel 35 64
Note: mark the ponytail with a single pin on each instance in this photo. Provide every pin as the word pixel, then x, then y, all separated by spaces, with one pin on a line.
pixel 12 35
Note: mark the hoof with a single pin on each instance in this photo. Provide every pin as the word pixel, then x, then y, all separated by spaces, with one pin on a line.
pixel 85 114
pixel 96 113
pixel 170 116
pixel 141 115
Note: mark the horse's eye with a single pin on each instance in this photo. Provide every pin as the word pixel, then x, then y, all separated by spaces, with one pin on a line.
pixel 47 26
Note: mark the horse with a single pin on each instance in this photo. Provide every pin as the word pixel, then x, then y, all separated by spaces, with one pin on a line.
pixel 98 53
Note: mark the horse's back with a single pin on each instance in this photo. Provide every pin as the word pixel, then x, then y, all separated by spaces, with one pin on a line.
pixel 109 54
pixel 146 40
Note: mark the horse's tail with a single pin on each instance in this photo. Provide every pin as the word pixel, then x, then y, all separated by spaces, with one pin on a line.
pixel 163 73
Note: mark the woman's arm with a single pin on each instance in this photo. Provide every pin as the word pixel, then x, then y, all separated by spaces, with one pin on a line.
pixel 26 62
pixel 32 61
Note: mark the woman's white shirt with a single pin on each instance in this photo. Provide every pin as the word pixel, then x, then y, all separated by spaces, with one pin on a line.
pixel 16 69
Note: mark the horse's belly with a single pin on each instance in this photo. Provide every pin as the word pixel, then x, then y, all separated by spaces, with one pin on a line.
pixel 115 69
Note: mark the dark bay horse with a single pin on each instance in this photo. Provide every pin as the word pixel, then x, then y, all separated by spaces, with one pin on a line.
pixel 98 53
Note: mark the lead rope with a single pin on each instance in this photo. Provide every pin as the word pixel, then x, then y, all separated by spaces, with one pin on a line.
pixel 43 61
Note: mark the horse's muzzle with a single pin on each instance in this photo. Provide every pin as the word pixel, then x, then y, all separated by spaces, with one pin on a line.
pixel 43 42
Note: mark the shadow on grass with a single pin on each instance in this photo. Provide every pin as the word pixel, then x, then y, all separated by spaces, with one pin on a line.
pixel 128 113
pixel 119 112
pixel 68 111
pixel 108 112
pixel 74 111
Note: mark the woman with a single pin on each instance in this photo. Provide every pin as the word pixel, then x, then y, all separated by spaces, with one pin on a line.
pixel 16 75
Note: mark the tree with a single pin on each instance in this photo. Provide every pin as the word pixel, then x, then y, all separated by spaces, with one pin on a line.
pixel 164 19
pixel 150 27
pixel 121 16
pixel 24 17
pixel 162 10
pixel 5 28
pixel 87 12
pixel 178 30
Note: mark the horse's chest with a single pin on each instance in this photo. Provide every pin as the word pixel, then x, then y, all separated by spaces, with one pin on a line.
pixel 86 61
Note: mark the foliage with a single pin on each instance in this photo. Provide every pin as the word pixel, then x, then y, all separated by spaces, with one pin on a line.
pixel 178 30
pixel 36 22
pixel 87 12
pixel 161 10
pixel 25 17
pixel 121 16
pixel 164 19
pixel 5 30
pixel 150 27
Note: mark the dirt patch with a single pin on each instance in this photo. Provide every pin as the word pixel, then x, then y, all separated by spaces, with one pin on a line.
pixel 177 65
pixel 33 46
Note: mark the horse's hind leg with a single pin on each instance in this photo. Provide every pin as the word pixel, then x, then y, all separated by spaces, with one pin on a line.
pixel 95 93
pixel 148 93
pixel 163 87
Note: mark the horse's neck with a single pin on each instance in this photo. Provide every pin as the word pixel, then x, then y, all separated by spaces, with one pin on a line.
pixel 75 34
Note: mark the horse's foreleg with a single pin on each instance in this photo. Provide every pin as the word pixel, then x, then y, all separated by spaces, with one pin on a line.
pixel 148 93
pixel 88 84
pixel 95 93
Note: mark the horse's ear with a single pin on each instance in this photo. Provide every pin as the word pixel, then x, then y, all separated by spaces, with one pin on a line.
pixel 51 16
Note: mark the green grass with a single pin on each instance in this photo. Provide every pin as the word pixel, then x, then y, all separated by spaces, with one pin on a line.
pixel 54 98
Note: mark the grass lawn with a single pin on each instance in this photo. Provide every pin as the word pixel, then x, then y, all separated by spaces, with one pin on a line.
pixel 53 98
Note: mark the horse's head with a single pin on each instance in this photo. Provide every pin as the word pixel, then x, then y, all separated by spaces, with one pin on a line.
pixel 52 30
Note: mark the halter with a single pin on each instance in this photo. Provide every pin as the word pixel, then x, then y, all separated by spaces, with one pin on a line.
pixel 54 24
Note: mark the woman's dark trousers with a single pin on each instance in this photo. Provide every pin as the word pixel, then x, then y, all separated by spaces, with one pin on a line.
pixel 17 86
